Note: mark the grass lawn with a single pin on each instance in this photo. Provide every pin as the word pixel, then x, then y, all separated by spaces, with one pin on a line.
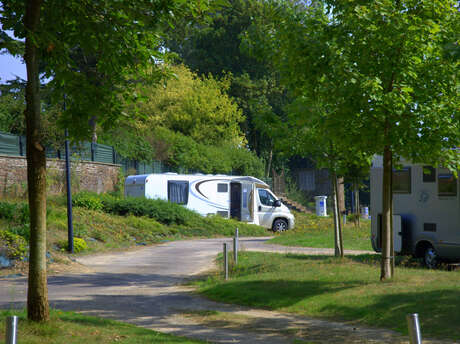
pixel 314 231
pixel 72 328
pixel 345 290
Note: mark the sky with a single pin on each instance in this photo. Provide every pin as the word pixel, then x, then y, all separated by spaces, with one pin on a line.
pixel 10 67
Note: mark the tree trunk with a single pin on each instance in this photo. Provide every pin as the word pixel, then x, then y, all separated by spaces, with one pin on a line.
pixel 387 235
pixel 358 206
pixel 269 163
pixel 337 225
pixel 93 126
pixel 37 292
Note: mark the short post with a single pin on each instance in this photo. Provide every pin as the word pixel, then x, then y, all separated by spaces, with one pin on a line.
pixel 344 219
pixel 11 329
pixel 235 247
pixel 415 335
pixel 225 261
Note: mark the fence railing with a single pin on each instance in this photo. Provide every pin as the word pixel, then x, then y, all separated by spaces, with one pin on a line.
pixel 14 145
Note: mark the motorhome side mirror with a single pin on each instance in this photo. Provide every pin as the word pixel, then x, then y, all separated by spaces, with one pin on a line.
pixel 277 203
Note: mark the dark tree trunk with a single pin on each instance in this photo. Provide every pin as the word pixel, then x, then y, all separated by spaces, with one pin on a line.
pixel 337 225
pixel 387 235
pixel 37 292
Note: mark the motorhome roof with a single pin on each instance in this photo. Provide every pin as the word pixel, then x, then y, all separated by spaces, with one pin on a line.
pixel 199 175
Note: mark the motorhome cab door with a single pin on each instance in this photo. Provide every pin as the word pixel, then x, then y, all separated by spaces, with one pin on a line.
pixel 265 207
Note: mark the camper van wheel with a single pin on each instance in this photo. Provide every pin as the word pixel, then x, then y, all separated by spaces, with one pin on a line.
pixel 431 258
pixel 279 225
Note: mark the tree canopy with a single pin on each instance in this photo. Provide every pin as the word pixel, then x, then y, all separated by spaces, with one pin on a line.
pixel 376 75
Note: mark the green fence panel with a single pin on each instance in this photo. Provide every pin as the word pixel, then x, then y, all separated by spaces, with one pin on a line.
pixel 52 153
pixel 9 144
pixel 103 153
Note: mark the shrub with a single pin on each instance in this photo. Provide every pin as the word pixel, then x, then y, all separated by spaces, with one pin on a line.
pixel 88 200
pixel 160 210
pixel 15 212
pixel 14 246
pixel 22 230
pixel 79 245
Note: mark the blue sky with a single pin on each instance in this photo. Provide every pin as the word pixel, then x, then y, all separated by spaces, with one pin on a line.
pixel 10 67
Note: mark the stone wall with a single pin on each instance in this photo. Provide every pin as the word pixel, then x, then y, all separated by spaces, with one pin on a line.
pixel 85 175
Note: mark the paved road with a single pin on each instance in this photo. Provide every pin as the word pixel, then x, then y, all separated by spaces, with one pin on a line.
pixel 144 287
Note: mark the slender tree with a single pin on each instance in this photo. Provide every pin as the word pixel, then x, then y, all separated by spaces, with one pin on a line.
pixel 384 67
pixel 122 36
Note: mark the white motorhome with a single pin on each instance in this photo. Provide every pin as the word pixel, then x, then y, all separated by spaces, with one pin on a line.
pixel 244 198
pixel 426 208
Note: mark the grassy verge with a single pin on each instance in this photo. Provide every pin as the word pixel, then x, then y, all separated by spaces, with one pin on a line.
pixel 314 231
pixel 344 290
pixel 72 328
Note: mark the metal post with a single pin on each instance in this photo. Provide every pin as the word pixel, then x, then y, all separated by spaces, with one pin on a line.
pixel 225 261
pixel 69 195
pixel 11 329
pixel 415 335
pixel 344 219
pixel 235 247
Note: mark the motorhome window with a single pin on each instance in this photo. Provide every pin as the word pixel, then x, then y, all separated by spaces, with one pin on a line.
pixel 429 174
pixel 402 181
pixel 266 198
pixel 222 187
pixel 178 191
pixel 447 183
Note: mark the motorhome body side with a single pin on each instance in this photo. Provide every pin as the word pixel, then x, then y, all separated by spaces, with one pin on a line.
pixel 426 208
pixel 245 198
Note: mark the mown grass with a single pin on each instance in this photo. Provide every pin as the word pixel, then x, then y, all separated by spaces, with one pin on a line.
pixel 72 328
pixel 343 289
pixel 314 231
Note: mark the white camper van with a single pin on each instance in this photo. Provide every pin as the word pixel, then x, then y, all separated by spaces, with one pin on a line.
pixel 244 198
pixel 426 208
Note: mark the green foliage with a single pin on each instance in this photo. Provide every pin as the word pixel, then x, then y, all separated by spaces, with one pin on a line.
pixel 215 48
pixel 195 106
pixel 13 245
pixel 88 200
pixel 160 210
pixel 16 212
pixel 79 245
pixel 22 230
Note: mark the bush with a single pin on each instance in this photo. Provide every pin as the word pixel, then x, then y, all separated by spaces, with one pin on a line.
pixel 13 245
pixel 160 210
pixel 79 245
pixel 22 230
pixel 88 200
pixel 15 212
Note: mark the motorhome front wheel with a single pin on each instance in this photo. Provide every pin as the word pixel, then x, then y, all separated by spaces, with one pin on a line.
pixel 279 225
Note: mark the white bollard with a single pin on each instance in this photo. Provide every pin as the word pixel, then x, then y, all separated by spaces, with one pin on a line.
pixel 225 261
pixel 11 329
pixel 415 335
pixel 235 246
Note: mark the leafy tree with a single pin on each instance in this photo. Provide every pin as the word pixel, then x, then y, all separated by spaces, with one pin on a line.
pixel 194 106
pixel 122 36
pixel 215 48
pixel 384 67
